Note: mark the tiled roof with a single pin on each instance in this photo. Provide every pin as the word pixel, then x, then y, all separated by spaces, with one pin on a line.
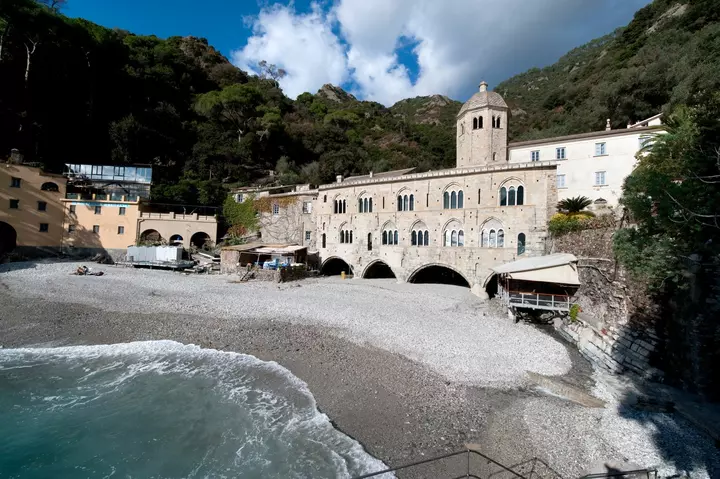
pixel 483 99
pixel 385 174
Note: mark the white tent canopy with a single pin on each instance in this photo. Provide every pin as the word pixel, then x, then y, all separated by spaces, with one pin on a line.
pixel 555 268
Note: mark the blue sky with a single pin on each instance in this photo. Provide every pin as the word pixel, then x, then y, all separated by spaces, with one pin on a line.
pixel 382 50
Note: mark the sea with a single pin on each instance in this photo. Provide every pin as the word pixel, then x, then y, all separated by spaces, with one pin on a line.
pixel 162 409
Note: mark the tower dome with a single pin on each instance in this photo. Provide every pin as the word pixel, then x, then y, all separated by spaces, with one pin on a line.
pixel 483 99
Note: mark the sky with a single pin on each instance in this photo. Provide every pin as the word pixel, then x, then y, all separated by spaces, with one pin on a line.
pixel 380 50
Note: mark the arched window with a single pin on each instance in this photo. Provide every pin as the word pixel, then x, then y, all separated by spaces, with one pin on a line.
pixel 413 238
pixel 49 186
pixel 484 239
pixel 520 195
pixel 511 196
pixel 501 239
pixel 503 196
pixel 474 123
pixel 399 206
pixel 344 207
pixel 350 237
pixel 370 205
pixel 427 238
pixel 461 238
pixel 369 245
pixel 342 236
pixel 395 237
pixel 462 129
pixel 446 200
pixel 497 122
pixel 324 198
pixel 460 199
pixel 493 121
pixel 453 200
pixel 412 202
pixel 494 156
pixel 453 238
pixel 384 237
pixel 493 239
pixel 521 244
pixel 446 238
pixel 335 210
pixel 480 122
pixel 361 208
pixel 323 240
pixel 406 204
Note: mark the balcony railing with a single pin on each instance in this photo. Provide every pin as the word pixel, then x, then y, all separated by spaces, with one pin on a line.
pixel 553 302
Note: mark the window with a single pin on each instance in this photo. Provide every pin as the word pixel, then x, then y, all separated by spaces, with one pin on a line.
pixel 307 236
pixel 42 206
pixel 121 230
pixel 478 195
pixel 413 238
pixel 15 182
pixel 461 233
pixel 645 142
pixel 395 237
pixel 446 200
pixel 71 228
pixel 49 186
pixel 361 208
pixel 342 236
pixel 462 129
pixel 453 238
pixel 600 149
pixel 426 238
pixel 511 196
pixel 520 195
pixel 427 200
pixel 460 199
pixel 96 229
pixel 521 244
pixel 384 237
pixel 600 178
pixel 475 123
pixel 43 227
pixel 406 204
pixel 492 239
pixel 535 155
pixel 369 210
pixel 399 203
pixel 503 196
pixel 560 153
pixel 121 211
pixel 561 181
pixel 390 237
pixel 323 240
pixel 98 210
pixel 14 204
pixel 324 198
pixel 72 209
pixel 501 239
pixel 480 122
pixel 494 156
pixel 412 202
pixel 497 122
pixel 307 207
pixel 275 209
pixel 453 200
pixel 369 242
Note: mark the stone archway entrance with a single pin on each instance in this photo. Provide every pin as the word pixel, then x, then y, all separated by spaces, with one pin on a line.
pixel 438 274
pixel 335 266
pixel 151 236
pixel 378 269
pixel 8 238
pixel 199 239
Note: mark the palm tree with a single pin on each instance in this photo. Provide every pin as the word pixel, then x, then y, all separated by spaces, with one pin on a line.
pixel 575 206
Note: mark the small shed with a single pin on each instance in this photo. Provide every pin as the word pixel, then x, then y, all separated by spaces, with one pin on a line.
pixel 542 282
pixel 236 258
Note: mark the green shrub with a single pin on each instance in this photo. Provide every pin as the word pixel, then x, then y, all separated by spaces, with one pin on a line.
pixel 574 311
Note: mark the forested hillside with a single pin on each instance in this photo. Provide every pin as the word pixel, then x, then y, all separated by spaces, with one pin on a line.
pixel 71 90
pixel 666 56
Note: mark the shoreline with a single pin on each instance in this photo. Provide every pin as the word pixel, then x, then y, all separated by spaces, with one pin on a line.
pixel 399 403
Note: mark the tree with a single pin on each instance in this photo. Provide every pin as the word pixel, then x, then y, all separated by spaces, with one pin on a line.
pixel 55 5
pixel 574 206
pixel 270 71
pixel 235 105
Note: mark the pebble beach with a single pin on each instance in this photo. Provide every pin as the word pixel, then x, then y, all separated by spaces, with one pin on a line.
pixel 410 371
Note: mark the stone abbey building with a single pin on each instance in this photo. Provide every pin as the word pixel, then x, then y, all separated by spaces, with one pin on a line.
pixel 450 225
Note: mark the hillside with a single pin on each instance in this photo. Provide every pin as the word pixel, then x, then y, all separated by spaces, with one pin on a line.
pixel 73 90
pixel 669 54
pixel 96 95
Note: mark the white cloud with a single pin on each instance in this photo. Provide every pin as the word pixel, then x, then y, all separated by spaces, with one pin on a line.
pixel 458 43
pixel 303 44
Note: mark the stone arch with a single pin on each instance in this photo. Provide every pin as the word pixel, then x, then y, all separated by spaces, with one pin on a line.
pixel 438 273
pixel 50 186
pixel 8 238
pixel 176 238
pixel 450 186
pixel 151 235
pixel 490 285
pixel 335 265
pixel 512 179
pixel 453 233
pixel 388 225
pixel 199 239
pixel 378 269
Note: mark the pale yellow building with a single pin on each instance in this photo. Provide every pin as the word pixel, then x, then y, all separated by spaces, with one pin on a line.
pixel 31 214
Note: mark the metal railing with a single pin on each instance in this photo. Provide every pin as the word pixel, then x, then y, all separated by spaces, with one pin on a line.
pixel 469 463
pixel 555 302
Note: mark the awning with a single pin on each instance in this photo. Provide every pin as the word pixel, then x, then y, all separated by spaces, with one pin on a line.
pixel 282 250
pixel 555 268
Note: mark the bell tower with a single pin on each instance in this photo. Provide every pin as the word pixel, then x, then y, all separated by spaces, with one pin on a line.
pixel 482 130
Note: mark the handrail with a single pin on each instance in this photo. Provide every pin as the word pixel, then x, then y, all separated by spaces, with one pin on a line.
pixel 466 451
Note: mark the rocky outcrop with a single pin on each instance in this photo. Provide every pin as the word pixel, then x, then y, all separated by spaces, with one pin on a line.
pixel 335 93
